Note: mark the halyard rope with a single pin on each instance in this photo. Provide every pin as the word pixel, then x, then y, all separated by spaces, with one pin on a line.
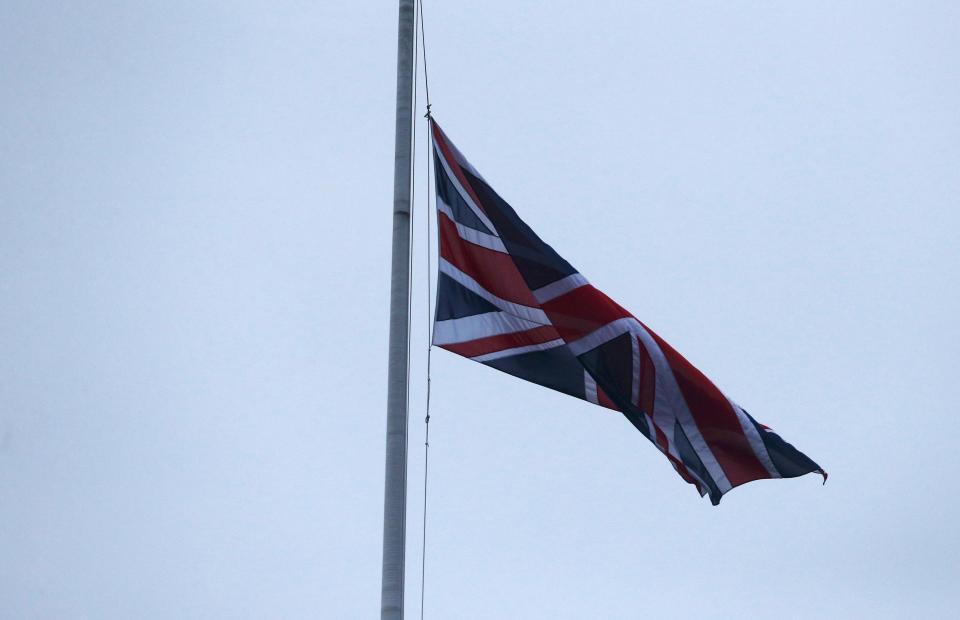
pixel 426 420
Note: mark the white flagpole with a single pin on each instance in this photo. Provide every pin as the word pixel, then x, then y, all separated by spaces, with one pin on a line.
pixel 395 485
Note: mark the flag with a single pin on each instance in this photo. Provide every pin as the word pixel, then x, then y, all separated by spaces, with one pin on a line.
pixel 507 300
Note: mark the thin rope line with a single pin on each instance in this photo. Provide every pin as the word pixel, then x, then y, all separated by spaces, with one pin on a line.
pixel 426 420
pixel 423 45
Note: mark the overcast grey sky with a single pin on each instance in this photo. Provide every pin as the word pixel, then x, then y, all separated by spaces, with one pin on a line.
pixel 194 259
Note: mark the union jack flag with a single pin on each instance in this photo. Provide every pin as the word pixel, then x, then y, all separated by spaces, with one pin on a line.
pixel 508 300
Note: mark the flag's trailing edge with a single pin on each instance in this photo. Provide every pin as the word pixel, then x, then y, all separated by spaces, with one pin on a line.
pixel 508 300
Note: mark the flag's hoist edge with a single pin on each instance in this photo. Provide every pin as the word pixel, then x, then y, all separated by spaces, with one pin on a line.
pixel 508 300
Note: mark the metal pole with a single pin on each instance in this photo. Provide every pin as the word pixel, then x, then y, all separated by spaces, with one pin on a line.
pixel 395 485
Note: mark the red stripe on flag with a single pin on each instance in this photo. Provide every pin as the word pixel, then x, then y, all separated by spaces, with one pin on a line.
pixel 716 419
pixel 447 152
pixel 493 270
pixel 681 469
pixel 604 401
pixel 490 344
pixel 582 311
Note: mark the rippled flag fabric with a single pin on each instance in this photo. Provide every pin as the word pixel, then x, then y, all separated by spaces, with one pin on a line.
pixel 507 300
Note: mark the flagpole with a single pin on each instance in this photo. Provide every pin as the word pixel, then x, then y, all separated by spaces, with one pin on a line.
pixel 395 479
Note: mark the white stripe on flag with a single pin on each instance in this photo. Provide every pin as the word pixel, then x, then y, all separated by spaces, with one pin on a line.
pixel 560 287
pixel 590 388
pixel 599 336
pixel 543 346
pixel 759 448
pixel 464 329
pixel 667 396
pixel 527 313
pixel 463 193
pixel 471 235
